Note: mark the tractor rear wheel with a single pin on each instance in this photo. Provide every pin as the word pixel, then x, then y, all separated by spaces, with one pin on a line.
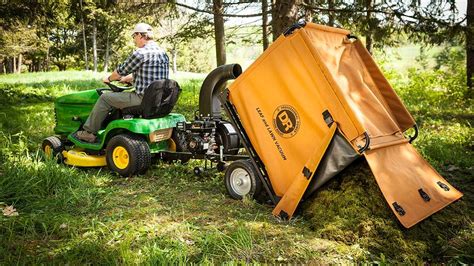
pixel 52 147
pixel 241 179
pixel 128 155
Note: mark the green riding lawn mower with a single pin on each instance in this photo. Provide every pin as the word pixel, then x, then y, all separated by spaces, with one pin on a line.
pixel 130 140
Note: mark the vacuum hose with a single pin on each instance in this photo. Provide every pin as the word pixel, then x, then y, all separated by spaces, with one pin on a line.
pixel 215 82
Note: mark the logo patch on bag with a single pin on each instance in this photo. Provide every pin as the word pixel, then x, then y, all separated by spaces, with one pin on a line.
pixel 286 121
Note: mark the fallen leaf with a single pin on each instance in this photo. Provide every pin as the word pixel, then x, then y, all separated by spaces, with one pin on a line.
pixel 452 168
pixel 10 211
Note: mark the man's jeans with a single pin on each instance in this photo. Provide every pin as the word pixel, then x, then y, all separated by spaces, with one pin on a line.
pixel 106 103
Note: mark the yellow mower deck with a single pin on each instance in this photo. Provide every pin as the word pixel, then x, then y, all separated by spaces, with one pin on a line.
pixel 77 157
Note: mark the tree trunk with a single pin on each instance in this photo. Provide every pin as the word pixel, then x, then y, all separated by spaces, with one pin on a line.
pixel 36 65
pixel 175 56
pixel 84 40
pixel 284 14
pixel 265 24
pixel 94 43
pixel 331 13
pixel 9 65
pixel 470 47
pixel 14 64
pixel 107 53
pixel 368 37
pixel 47 60
pixel 308 13
pixel 219 34
pixel 20 62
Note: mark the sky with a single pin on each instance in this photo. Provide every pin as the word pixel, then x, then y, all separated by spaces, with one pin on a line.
pixel 461 5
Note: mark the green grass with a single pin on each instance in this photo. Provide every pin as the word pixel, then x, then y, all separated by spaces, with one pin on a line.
pixel 78 216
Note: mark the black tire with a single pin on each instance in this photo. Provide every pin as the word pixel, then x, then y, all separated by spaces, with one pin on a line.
pixel 198 171
pixel 241 179
pixel 179 140
pixel 128 155
pixel 52 147
pixel 221 166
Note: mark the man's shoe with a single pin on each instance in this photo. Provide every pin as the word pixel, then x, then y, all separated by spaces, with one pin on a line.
pixel 86 136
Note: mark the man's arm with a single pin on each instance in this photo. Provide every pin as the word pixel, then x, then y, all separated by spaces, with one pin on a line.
pixel 133 62
pixel 112 77
pixel 127 79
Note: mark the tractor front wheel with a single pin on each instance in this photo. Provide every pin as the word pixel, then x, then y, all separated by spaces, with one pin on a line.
pixel 128 155
pixel 52 147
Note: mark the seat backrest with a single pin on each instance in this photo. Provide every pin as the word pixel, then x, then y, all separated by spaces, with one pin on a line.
pixel 160 97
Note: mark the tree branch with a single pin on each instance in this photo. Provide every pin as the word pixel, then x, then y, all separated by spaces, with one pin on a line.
pixel 391 12
pixel 224 15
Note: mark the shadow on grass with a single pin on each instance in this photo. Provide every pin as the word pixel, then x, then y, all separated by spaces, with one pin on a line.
pixel 36 121
pixel 45 91
pixel 466 119
pixel 167 216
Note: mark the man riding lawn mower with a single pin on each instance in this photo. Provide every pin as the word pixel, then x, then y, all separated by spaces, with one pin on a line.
pixel 145 65
pixel 124 129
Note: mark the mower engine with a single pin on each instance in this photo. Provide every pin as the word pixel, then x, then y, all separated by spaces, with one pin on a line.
pixel 199 135
pixel 208 136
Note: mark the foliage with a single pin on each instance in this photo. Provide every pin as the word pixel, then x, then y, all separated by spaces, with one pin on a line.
pixel 195 56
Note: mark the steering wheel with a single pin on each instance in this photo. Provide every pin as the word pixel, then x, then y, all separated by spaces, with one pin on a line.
pixel 114 87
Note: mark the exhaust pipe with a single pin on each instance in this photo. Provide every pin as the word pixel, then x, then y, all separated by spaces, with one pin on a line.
pixel 213 85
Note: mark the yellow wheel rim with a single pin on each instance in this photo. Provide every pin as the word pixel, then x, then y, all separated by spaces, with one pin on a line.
pixel 171 145
pixel 48 151
pixel 120 157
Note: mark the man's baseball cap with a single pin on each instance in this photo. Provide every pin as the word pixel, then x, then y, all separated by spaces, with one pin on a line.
pixel 143 28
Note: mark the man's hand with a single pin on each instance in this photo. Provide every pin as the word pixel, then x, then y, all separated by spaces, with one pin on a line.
pixel 128 79
pixel 112 77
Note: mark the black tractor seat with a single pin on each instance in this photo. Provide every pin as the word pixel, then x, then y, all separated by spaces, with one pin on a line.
pixel 158 101
pixel 132 111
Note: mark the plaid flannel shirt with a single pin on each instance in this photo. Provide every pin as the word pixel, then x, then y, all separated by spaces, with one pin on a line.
pixel 147 64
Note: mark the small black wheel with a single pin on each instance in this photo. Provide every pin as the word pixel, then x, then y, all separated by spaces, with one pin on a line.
pixel 52 147
pixel 241 179
pixel 198 170
pixel 221 166
pixel 128 155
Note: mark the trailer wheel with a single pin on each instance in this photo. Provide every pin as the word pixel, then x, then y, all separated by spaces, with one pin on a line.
pixel 128 155
pixel 52 147
pixel 241 179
